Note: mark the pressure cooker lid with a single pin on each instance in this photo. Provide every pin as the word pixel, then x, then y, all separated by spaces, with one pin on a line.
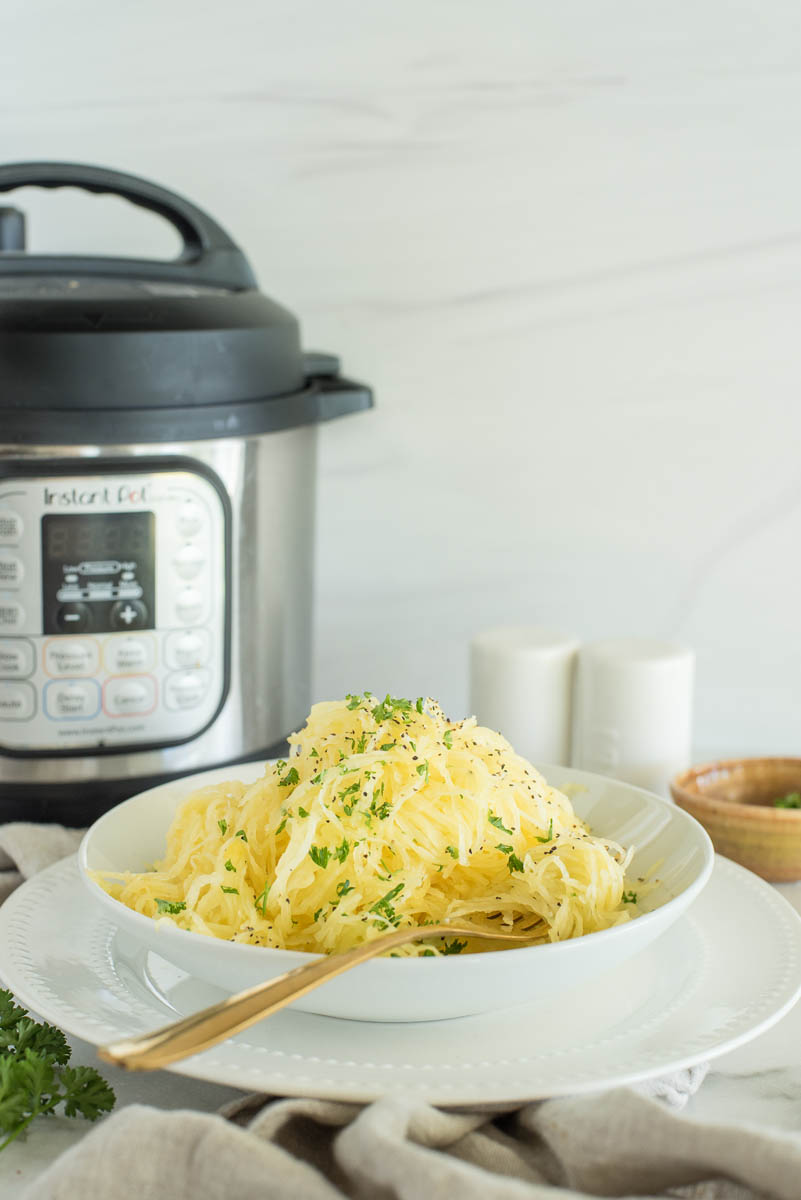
pixel 188 348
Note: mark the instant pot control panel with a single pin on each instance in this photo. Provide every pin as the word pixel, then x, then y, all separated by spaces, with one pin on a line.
pixel 114 592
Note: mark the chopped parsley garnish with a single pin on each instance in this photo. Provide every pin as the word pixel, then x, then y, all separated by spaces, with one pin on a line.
pixel 454 947
pixel 353 701
pixel 512 861
pixel 279 766
pixel 35 1078
pixel 313 753
pixel 384 906
pixel 388 746
pixel 497 822
pixel 261 899
pixel 281 827
pixel 302 811
pixel 383 809
pixel 629 897
pixel 319 777
pixel 320 855
pixel 549 838
pixel 422 769
pixel 223 824
pixel 348 809
pixel 229 866
pixel 290 779
pixel 454 853
pixel 344 887
pixel 388 706
pixel 791 800
pixel 419 704
pixel 231 891
pixel 359 748
pixel 354 787
pixel 240 833
pixel 341 852
pixel 317 914
pixel 447 738
pixel 170 906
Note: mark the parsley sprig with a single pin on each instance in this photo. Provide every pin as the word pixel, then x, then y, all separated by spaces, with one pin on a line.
pixel 453 947
pixel 35 1078
pixel 549 838
pixel 320 855
pixel 389 706
pixel 791 800
pixel 385 908
pixel 512 861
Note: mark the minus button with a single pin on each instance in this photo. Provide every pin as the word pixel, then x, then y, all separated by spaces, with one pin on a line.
pixel 73 618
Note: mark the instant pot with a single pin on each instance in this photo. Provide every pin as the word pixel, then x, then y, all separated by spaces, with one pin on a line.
pixel 157 489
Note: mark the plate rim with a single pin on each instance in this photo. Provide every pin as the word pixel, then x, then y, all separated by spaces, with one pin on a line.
pixel 217 1066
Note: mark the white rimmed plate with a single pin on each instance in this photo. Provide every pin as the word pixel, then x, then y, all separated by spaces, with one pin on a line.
pixel 726 971
pixel 667 840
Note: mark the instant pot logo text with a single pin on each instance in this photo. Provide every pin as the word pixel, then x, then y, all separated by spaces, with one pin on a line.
pixel 74 497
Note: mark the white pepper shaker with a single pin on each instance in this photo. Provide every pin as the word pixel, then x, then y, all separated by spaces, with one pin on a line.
pixel 634 700
pixel 521 683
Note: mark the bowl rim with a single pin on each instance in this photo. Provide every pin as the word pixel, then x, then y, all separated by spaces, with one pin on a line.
pixel 148 927
pixel 717 805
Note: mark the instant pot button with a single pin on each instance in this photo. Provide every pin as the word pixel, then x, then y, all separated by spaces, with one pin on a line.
pixel 11 571
pixel 190 518
pixel 17 702
pixel 12 614
pixel 135 653
pixel 129 695
pixel 10 527
pixel 71 699
pixel 69 656
pixel 17 658
pixel 128 614
pixel 189 561
pixel 73 618
pixel 185 689
pixel 187 648
pixel 188 605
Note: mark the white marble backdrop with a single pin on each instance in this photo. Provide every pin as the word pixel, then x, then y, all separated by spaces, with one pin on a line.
pixel 562 240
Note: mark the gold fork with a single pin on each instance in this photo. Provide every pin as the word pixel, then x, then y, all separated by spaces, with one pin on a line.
pixel 211 1025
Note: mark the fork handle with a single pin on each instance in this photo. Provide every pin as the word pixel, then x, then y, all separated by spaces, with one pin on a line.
pixel 212 1025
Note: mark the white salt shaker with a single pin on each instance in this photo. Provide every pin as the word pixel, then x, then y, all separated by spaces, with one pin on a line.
pixel 521 683
pixel 634 699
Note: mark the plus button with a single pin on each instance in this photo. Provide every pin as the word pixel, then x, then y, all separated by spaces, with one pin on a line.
pixel 128 614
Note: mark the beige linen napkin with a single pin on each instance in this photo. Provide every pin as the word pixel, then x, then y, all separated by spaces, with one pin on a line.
pixel 620 1144
pixel 630 1142
pixel 26 849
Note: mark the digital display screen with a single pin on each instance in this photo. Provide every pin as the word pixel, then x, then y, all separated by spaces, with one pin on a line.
pixel 98 572
pixel 99 536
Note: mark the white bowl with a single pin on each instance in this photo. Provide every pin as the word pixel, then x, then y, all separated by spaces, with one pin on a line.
pixel 132 836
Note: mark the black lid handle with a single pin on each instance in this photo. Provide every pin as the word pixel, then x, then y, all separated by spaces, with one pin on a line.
pixel 208 256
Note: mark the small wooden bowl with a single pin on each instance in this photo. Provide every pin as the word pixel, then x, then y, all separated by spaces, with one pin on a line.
pixel 734 801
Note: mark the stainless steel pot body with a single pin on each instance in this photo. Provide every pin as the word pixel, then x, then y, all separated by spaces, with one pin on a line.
pixel 269 481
